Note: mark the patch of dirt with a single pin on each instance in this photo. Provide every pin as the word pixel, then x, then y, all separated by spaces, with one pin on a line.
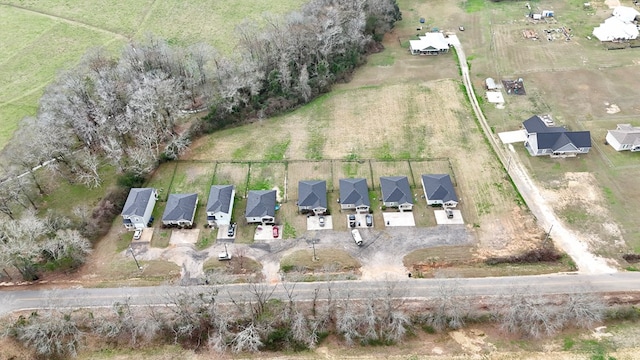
pixel 612 108
pixel 580 191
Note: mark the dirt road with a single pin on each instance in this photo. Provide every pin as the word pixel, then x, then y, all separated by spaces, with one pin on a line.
pixel 566 239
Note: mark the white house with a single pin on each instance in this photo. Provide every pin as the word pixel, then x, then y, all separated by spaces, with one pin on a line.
pixel 438 190
pixel 429 44
pixel 180 210
pixel 620 26
pixel 396 192
pixel 138 207
pixel 354 194
pixel 624 137
pixel 220 205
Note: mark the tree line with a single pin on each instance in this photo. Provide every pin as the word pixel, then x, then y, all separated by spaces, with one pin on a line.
pixel 194 318
pixel 124 113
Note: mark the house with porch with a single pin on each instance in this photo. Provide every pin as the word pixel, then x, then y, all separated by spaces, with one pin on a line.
pixel 261 207
pixel 624 137
pixel 438 190
pixel 433 43
pixel 180 210
pixel 312 196
pixel 220 205
pixel 554 141
pixel 396 192
pixel 354 194
pixel 138 207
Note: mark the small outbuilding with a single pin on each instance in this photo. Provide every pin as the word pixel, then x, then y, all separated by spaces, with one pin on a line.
pixel 491 84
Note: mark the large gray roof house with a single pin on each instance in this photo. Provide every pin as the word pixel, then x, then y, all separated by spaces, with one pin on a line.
pixel 261 206
pixel 138 207
pixel 180 210
pixel 438 189
pixel 312 196
pixel 354 194
pixel 220 205
pixel 396 192
pixel 554 141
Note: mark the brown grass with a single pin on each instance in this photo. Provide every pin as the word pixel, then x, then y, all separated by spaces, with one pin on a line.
pixel 326 258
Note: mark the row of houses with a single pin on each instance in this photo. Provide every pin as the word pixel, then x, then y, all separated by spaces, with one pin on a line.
pixel 262 204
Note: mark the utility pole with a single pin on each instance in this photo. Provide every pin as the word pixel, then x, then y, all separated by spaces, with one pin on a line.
pixel 546 238
pixel 134 258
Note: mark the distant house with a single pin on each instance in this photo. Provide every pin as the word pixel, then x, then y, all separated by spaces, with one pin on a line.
pixel 624 137
pixel 354 194
pixel 396 192
pixel 180 210
pixel 220 205
pixel 438 190
pixel 490 84
pixel 554 141
pixel 620 26
pixel 312 196
pixel 429 44
pixel 138 207
pixel 261 207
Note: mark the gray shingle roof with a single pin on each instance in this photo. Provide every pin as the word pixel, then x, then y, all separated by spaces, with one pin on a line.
pixel 626 134
pixel 439 187
pixel 396 189
pixel 180 207
pixel 354 191
pixel 220 198
pixel 261 203
pixel 137 201
pixel 556 141
pixel 312 193
pixel 535 125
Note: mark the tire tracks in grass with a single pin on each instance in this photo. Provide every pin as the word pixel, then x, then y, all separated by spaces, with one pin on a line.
pixel 67 20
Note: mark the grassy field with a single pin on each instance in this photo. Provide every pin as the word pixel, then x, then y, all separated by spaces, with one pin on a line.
pixel 40 38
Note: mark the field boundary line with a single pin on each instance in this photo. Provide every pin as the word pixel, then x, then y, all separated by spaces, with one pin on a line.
pixel 67 20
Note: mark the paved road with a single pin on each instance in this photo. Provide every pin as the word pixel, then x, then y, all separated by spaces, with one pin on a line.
pixel 409 288
pixel 547 219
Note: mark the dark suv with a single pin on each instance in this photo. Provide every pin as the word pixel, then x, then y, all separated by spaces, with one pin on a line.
pixel 352 221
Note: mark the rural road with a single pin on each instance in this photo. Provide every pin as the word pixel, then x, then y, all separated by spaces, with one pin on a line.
pixel 566 239
pixel 409 288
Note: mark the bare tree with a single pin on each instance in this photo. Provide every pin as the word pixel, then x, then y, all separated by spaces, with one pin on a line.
pixel 527 312
pixel 247 340
pixel 583 308
pixel 449 306
pixel 50 333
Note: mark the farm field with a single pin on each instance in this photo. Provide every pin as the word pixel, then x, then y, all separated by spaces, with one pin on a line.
pixel 41 38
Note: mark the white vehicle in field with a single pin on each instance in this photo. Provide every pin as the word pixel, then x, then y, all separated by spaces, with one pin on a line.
pixel 356 237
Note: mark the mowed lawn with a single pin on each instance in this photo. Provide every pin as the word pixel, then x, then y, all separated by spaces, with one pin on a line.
pixel 40 38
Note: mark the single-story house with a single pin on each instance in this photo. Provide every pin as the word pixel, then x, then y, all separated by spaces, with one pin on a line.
pixel 180 210
pixel 555 141
pixel 312 196
pixel 429 44
pixel 220 205
pixel 396 192
pixel 138 207
pixel 624 137
pixel 438 190
pixel 261 207
pixel 626 13
pixel 354 194
pixel 614 28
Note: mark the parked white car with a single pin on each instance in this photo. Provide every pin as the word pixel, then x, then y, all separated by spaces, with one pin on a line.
pixel 137 234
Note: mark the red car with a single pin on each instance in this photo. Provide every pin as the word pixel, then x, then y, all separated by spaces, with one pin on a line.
pixel 276 232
